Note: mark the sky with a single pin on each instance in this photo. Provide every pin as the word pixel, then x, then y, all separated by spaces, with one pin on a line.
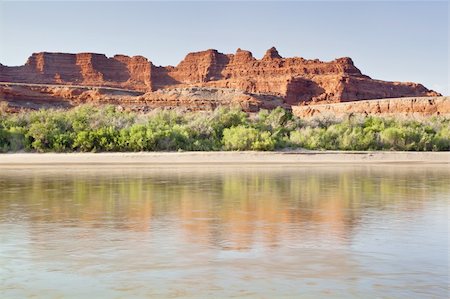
pixel 394 41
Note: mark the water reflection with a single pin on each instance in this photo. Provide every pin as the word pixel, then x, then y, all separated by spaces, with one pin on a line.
pixel 252 231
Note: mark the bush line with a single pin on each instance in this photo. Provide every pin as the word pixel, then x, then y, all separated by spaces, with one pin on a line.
pixel 97 129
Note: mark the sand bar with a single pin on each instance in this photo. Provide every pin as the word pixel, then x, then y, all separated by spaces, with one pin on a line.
pixel 228 158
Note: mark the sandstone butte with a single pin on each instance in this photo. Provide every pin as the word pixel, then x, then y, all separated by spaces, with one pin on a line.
pixel 203 80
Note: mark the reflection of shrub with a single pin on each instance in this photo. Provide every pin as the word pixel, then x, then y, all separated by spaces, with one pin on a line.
pixel 88 128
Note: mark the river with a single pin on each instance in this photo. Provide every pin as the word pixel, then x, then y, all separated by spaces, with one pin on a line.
pixel 248 231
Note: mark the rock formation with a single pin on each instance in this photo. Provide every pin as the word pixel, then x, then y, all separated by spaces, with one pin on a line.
pixel 394 107
pixel 34 96
pixel 296 80
pixel 82 69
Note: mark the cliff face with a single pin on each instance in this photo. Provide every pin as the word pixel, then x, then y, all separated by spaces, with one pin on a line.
pixel 82 69
pixel 296 80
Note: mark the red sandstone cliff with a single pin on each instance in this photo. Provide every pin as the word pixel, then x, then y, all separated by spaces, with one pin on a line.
pixel 296 80
pixel 82 69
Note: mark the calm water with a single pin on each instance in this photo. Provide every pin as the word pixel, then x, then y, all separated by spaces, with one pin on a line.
pixel 220 232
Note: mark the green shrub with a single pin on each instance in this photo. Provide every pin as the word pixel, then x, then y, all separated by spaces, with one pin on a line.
pixel 278 122
pixel 43 134
pixel 137 139
pixel 4 140
pixel 441 140
pixel 169 138
pixel 356 138
pixel 242 138
pixel 315 138
pixel 223 118
pixel 84 141
pixel 89 128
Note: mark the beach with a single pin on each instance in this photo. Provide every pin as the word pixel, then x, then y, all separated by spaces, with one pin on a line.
pixel 146 159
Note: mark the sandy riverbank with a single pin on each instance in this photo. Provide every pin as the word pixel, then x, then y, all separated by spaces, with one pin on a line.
pixel 187 158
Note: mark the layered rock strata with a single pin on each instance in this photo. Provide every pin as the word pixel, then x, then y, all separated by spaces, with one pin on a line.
pixel 297 81
pixel 23 96
pixel 423 106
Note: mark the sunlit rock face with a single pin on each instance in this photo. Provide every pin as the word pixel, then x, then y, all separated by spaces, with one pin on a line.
pixel 296 79
pixel 82 69
pixel 412 106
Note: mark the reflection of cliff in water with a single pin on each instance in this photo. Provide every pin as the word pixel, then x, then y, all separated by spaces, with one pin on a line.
pixel 227 208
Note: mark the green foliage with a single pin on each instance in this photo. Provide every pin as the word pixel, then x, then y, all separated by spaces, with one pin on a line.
pixel 243 138
pixel 374 133
pixel 92 129
pixel 4 140
pixel 278 123
pixel 441 140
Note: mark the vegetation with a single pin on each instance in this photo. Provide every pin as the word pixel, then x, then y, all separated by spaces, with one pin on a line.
pixel 93 129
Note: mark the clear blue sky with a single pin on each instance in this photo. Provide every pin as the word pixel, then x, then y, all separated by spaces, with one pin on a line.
pixel 399 41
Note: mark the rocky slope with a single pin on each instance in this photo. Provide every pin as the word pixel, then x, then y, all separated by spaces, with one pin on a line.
pixel 294 80
pixel 34 96
pixel 17 96
pixel 401 106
